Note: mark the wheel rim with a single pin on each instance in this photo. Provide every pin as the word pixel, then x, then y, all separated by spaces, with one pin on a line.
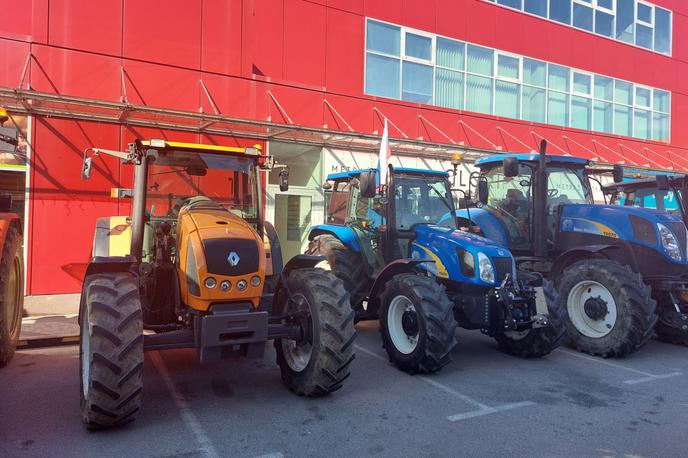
pixel 592 309
pixel 298 354
pixel 402 323
pixel 85 356
pixel 13 292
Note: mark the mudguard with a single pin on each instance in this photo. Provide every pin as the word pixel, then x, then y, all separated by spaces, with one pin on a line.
pixel 489 224
pixel 343 233
pixel 112 237
pixel 395 267
pixel 282 293
pixel 574 254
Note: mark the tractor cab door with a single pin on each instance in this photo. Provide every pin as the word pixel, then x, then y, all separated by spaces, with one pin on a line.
pixel 510 199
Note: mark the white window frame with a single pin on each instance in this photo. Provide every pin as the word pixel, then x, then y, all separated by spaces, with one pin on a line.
pixel 604 9
pixel 652 16
pixel 635 97
pixel 519 58
pixel 592 83
pixel 418 60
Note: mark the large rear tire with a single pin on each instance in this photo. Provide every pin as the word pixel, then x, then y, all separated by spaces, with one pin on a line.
pixel 610 309
pixel 417 323
pixel 11 295
pixel 111 350
pixel 541 341
pixel 319 363
pixel 345 264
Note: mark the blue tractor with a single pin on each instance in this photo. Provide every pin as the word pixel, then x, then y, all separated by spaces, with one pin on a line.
pixel 403 260
pixel 622 271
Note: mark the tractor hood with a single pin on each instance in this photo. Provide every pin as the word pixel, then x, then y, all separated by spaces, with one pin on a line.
pixel 454 251
pixel 648 227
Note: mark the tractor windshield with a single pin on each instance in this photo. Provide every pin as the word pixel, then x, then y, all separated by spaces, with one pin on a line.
pixel 422 199
pixel 667 201
pixel 175 177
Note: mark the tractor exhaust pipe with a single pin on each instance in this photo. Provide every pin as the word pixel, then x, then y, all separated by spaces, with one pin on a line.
pixel 540 205
pixel 139 207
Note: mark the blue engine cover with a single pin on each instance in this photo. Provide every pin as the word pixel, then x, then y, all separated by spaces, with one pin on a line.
pixel 440 245
pixel 491 226
pixel 343 233
pixel 615 222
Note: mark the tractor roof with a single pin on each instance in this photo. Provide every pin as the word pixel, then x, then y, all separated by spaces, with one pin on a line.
pixel 641 183
pixel 201 148
pixel 353 173
pixel 531 157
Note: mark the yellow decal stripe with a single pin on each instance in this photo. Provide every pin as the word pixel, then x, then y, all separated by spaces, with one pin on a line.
pixel 441 270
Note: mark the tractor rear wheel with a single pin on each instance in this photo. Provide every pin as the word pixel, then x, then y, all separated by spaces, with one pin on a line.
pixel 345 264
pixel 417 323
pixel 111 350
pixel 317 364
pixel 541 341
pixel 11 295
pixel 610 309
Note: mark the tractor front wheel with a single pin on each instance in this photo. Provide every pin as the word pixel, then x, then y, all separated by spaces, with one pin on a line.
pixel 417 323
pixel 111 350
pixel 610 309
pixel 11 295
pixel 318 363
pixel 541 341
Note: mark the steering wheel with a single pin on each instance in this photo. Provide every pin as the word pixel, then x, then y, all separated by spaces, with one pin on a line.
pixel 552 193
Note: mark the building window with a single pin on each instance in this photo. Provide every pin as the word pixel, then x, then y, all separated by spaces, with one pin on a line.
pixel 411 65
pixel 632 21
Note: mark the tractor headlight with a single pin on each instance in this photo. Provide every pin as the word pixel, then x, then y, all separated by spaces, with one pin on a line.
pixel 225 285
pixel 485 267
pixel 241 285
pixel 255 280
pixel 669 242
pixel 210 282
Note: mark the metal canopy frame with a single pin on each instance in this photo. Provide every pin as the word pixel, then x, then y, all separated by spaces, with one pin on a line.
pixel 31 102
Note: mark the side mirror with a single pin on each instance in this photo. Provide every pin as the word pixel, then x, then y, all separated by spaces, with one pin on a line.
pixel 368 182
pixel 86 168
pixel 483 192
pixel 618 173
pixel 662 182
pixel 327 186
pixel 5 202
pixel 510 167
pixel 284 179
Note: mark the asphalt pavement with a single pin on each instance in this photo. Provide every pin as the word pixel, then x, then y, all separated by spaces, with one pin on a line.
pixel 484 403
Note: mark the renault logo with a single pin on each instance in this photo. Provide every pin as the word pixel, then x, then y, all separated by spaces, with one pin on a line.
pixel 233 259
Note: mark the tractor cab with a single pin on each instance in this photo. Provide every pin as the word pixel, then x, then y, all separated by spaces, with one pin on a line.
pixel 661 192
pixel 508 196
pixel 614 265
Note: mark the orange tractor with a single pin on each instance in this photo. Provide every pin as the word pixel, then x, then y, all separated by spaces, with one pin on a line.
pixel 196 266
pixel 11 260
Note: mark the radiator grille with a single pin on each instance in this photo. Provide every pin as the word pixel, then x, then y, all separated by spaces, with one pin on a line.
pixel 503 266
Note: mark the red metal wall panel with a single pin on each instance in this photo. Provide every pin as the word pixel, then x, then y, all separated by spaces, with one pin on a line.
pixel 297 106
pixel 221 32
pixel 236 97
pixel 82 74
pixel 87 25
pixel 345 52
pixel 161 86
pixel 167 32
pixel 352 6
pixel 263 39
pixel 419 14
pixel 65 207
pixel 386 10
pixel 13 56
pixel 304 43
pixel 21 24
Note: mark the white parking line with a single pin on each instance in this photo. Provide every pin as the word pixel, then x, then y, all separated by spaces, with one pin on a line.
pixel 482 409
pixel 647 377
pixel 205 445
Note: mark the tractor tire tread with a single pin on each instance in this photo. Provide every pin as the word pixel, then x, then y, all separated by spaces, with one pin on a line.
pixel 116 350
pixel 9 338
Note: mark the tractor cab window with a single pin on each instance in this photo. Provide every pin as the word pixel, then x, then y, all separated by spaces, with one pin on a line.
pixel 346 206
pixel 665 201
pixel 422 200
pixel 567 186
pixel 339 203
pixel 510 200
pixel 178 178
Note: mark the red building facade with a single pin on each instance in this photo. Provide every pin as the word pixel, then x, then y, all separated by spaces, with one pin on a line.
pixel 303 66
